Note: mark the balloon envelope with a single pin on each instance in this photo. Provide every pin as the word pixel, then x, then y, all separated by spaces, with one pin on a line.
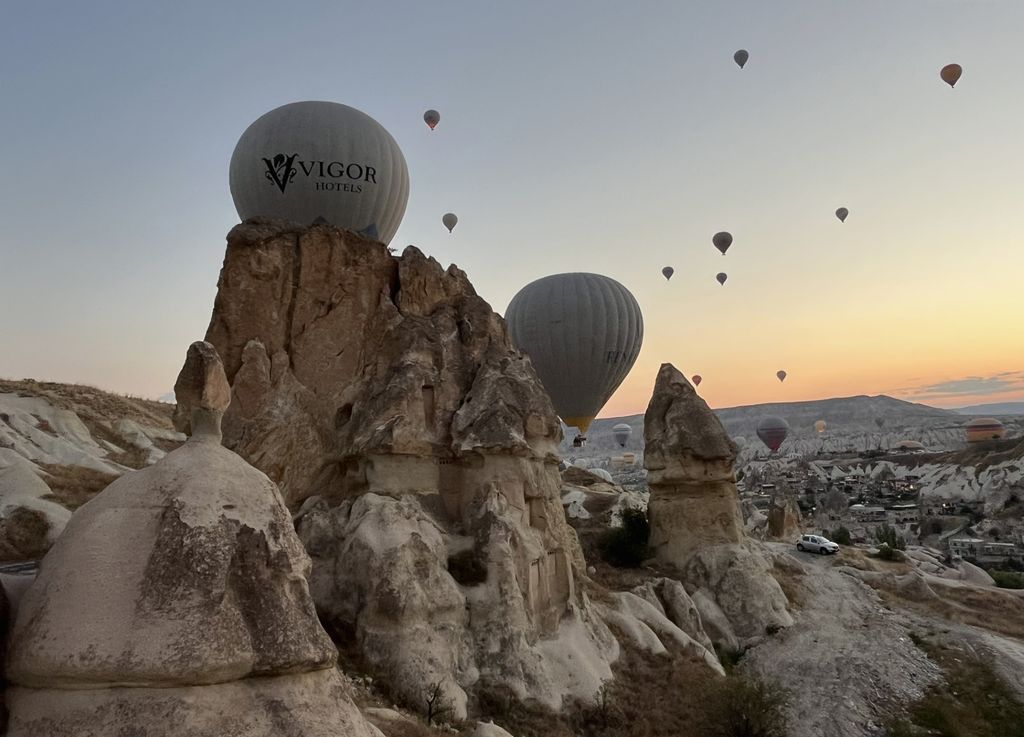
pixel 951 74
pixel 667 272
pixel 310 160
pixel 697 378
pixel 721 276
pixel 583 333
pixel 781 374
pixel 773 432
pixel 819 426
pixel 740 57
pixel 841 213
pixel 722 241
pixel 621 433
pixel 450 221
pixel 432 118
pixel 984 428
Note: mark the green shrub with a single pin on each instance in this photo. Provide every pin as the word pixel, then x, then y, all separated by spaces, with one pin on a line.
pixel 745 706
pixel 841 535
pixel 1008 579
pixel 886 535
pixel 626 546
pixel 888 553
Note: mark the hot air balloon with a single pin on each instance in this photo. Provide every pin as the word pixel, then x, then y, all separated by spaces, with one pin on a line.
pixel 721 276
pixel 697 379
pixel 951 74
pixel 307 161
pixel 841 213
pixel 722 241
pixel 879 421
pixel 740 57
pixel 773 432
pixel 984 428
pixel 432 118
pixel 583 333
pixel 667 272
pixel 820 426
pixel 781 375
pixel 450 220
pixel 621 433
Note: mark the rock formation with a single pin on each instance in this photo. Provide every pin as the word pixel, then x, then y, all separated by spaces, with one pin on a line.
pixel 696 523
pixel 386 399
pixel 176 603
pixel 783 518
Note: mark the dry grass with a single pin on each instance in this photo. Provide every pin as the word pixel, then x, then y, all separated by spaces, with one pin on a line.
pixel 993 609
pixel 972 701
pixel 73 486
pixel 791 581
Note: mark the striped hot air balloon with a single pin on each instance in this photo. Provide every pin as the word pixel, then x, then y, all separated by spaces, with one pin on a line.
pixel 773 432
pixel 984 428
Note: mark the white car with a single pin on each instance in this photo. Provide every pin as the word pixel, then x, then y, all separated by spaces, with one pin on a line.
pixel 816 544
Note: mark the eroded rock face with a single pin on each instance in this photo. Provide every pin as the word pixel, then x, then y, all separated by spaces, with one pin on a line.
pixel 696 522
pixel 167 590
pixel 385 397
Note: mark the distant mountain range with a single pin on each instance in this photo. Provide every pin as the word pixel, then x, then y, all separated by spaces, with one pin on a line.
pixel 994 408
pixel 859 422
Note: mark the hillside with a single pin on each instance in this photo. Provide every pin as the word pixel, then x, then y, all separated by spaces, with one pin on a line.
pixel 60 444
pixel 993 408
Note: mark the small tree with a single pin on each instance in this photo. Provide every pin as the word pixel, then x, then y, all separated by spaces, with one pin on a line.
pixel 841 535
pixel 626 546
pixel 886 535
pixel 438 708
pixel 745 706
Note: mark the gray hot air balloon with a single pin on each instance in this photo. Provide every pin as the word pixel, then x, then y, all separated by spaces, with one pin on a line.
pixel 667 272
pixel 740 57
pixel 432 118
pixel 721 276
pixel 621 433
pixel 310 160
pixel 583 333
pixel 841 213
pixel 722 241
pixel 781 375
pixel 450 221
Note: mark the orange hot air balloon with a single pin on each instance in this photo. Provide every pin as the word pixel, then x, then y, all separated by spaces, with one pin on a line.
pixel 984 428
pixel 820 426
pixel 696 379
pixel 951 74
pixel 432 118
pixel 781 375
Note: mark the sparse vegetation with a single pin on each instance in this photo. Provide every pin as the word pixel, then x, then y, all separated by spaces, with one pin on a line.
pixel 745 706
pixel 626 546
pixel 972 702
pixel 436 706
pixel 73 486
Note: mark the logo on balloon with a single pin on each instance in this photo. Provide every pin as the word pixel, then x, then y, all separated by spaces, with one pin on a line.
pixel 280 170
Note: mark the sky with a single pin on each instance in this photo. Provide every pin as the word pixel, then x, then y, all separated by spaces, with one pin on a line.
pixel 579 135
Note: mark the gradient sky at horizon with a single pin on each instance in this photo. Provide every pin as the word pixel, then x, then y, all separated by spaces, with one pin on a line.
pixel 583 135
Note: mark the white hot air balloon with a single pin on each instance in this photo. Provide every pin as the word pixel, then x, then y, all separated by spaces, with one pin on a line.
pixel 583 333
pixel 621 433
pixel 307 161
pixel 449 220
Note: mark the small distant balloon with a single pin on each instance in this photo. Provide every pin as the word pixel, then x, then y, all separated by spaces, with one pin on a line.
pixel 740 57
pixel 450 221
pixel 432 118
pixel 951 74
pixel 697 379
pixel 722 241
pixel 721 276
pixel 841 213
pixel 820 426
pixel 621 433
pixel 879 421
pixel 667 272
pixel 781 375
